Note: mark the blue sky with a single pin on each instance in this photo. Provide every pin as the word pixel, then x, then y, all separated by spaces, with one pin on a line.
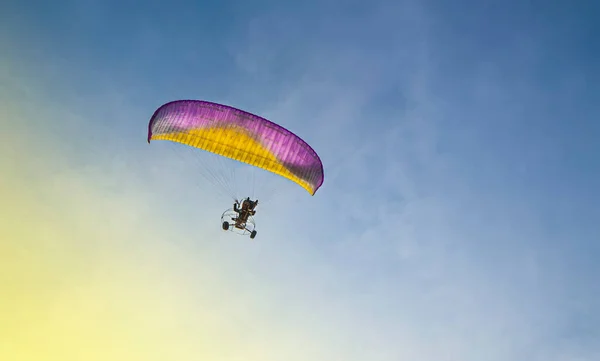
pixel 458 219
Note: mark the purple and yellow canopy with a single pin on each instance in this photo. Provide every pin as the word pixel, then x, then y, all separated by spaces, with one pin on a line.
pixel 238 135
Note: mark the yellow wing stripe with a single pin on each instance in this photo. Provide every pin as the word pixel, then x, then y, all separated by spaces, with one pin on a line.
pixel 235 144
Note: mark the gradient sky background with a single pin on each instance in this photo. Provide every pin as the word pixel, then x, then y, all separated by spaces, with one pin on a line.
pixel 458 220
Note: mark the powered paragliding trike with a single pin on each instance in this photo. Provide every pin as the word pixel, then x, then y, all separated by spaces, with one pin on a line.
pixel 237 135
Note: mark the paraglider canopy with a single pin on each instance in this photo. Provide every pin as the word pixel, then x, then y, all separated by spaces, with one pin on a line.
pixel 239 135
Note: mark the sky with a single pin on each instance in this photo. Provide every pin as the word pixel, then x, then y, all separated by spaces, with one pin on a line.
pixel 458 219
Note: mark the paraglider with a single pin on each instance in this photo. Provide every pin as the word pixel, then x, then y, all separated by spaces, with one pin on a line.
pixel 241 136
pixel 242 218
